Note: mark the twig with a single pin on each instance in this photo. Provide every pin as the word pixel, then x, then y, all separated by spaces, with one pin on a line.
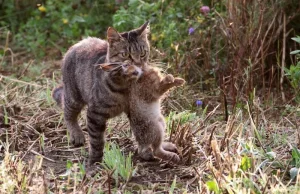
pixel 228 132
pixel 255 129
pixel 285 170
pixel 283 58
pixel 6 48
pixel 30 147
pixel 36 153
pixel 24 71
pixel 211 113
pixel 44 182
pixel 210 139
pixel 265 187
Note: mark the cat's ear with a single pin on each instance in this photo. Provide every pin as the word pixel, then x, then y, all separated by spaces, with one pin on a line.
pixel 113 35
pixel 144 29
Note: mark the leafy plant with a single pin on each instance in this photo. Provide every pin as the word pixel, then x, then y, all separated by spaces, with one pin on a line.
pixel 295 162
pixel 56 23
pixel 162 17
pixel 296 157
pixel 115 161
pixel 179 118
pixel 212 185
pixel 293 73
pixel 173 186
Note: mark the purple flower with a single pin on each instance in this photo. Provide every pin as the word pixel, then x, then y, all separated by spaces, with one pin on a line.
pixel 204 10
pixel 199 102
pixel 191 30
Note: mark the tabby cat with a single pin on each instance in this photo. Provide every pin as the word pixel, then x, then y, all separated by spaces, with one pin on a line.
pixel 146 120
pixel 104 92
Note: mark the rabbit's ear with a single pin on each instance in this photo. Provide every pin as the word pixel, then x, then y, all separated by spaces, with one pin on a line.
pixel 109 66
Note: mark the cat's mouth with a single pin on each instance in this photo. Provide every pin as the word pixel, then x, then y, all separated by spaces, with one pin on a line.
pixel 131 72
pixel 110 66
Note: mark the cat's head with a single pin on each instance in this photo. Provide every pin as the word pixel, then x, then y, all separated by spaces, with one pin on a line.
pixel 122 70
pixel 132 46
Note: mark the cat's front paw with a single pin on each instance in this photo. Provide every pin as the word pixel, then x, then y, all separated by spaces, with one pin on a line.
pixel 77 139
pixel 179 81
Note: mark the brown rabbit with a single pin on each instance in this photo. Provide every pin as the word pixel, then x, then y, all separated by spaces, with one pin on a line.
pixel 146 120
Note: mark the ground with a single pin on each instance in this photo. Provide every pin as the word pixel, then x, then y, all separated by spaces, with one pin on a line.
pixel 254 151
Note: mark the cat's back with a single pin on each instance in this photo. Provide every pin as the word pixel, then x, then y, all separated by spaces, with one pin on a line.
pixel 78 66
pixel 85 52
pixel 88 47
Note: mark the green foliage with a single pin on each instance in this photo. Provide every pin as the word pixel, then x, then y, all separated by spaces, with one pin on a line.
pixel 212 185
pixel 245 163
pixel 57 23
pixel 293 73
pixel 5 116
pixel 173 119
pixel 295 162
pixel 296 157
pixel 173 186
pixel 161 18
pixel 170 21
pixel 114 160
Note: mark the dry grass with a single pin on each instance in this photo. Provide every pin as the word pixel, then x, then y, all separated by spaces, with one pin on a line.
pixel 237 142
pixel 251 152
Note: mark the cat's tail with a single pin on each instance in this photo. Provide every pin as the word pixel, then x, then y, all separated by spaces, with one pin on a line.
pixel 58 95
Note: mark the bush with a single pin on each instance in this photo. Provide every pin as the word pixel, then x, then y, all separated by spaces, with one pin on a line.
pixel 233 45
pixel 293 73
pixel 57 24
pixel 179 31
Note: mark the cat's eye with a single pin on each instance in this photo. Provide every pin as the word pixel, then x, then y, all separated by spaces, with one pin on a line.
pixel 143 53
pixel 125 54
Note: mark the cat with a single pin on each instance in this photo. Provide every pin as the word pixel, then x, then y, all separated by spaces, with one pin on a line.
pixel 104 92
pixel 146 121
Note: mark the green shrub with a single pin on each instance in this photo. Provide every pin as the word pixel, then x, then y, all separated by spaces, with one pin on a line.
pixel 58 24
pixel 170 20
pixel 293 73
pixel 115 161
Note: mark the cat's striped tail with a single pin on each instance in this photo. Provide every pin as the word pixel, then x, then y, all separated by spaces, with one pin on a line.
pixel 58 95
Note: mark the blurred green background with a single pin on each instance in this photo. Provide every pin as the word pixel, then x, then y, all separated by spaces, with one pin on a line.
pixel 228 44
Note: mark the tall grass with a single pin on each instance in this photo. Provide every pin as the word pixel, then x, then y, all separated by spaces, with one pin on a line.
pixel 254 34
